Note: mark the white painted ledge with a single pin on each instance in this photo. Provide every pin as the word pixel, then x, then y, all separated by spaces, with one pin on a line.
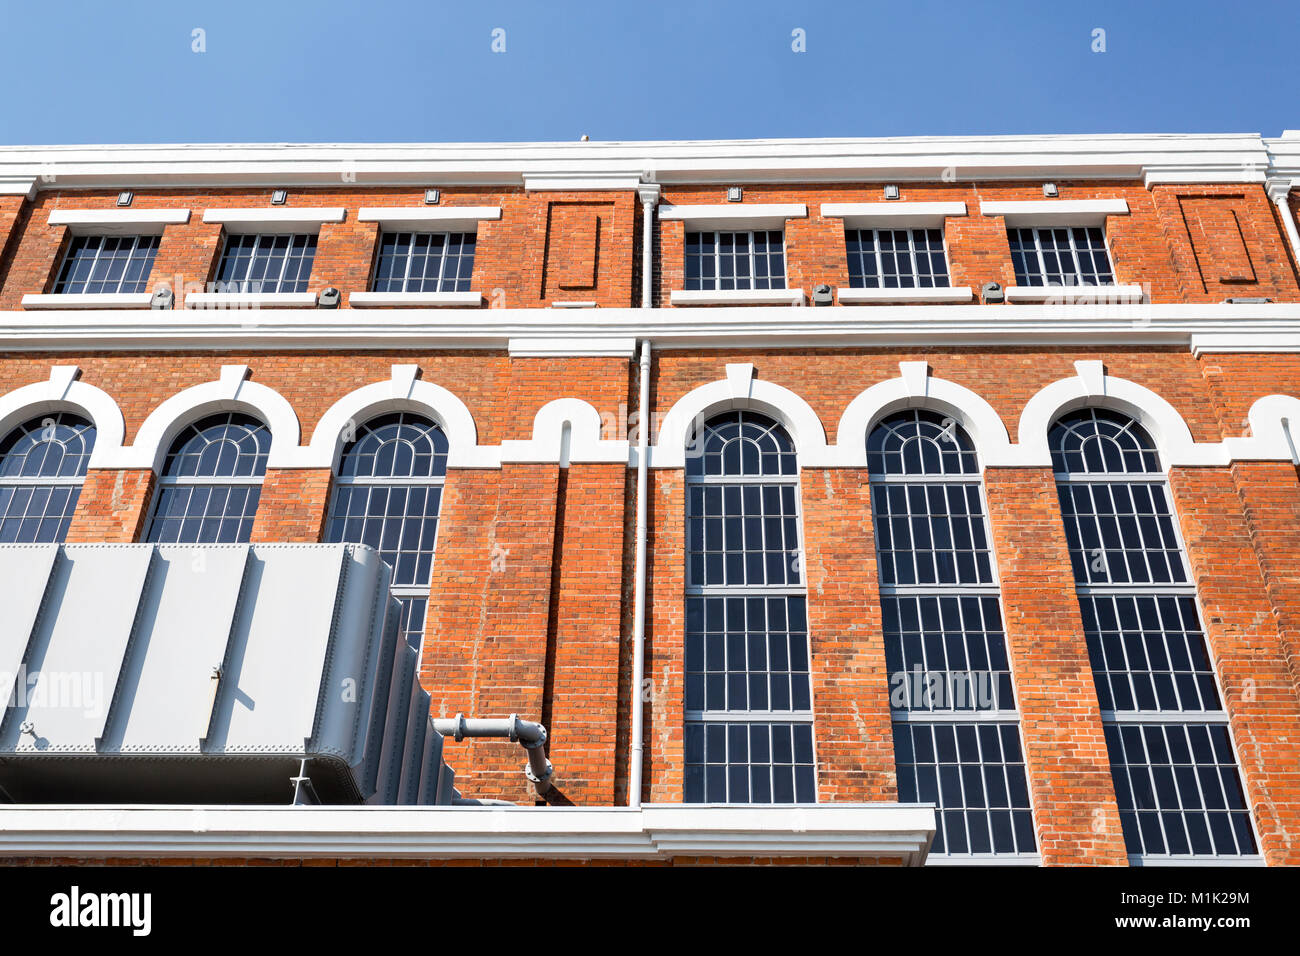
pixel 657 831
pixel 940 294
pixel 584 304
pixel 1056 212
pixel 1093 294
pixel 893 214
pixel 250 300
pixel 736 296
pixel 274 220
pixel 431 299
pixel 118 222
pixel 429 218
pixel 734 215
pixel 88 300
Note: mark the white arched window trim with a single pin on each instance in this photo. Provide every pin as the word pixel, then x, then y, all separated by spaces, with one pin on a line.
pixel 916 388
pixel 403 392
pixel 739 391
pixel 62 392
pixel 232 392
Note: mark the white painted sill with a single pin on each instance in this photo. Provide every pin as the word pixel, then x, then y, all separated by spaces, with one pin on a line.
pixel 1103 294
pixel 250 300
pixel 371 299
pixel 736 297
pixel 94 300
pixel 940 294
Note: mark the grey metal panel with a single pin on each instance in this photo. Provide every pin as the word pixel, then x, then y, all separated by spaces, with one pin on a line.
pixel 165 695
pixel 388 619
pixel 276 655
pixel 349 684
pixel 417 724
pixel 24 574
pixel 431 766
pixel 395 723
pixel 78 646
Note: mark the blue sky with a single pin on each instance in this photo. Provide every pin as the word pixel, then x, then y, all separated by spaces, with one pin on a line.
pixel 391 70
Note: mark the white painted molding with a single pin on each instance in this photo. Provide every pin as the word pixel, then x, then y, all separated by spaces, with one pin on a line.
pixel 118 222
pixel 24 186
pixel 650 832
pixel 575 304
pixel 1056 212
pixel 1076 294
pixel 939 294
pixel 581 182
pixel 63 391
pixel 1274 432
pixel 548 444
pixel 231 392
pixel 736 296
pixel 88 300
pixel 250 300
pixel 893 214
pixel 734 215
pixel 278 219
pixel 916 388
pixel 429 218
pixel 596 347
pixel 402 392
pixel 428 299
pixel 697 405
pixel 1089 388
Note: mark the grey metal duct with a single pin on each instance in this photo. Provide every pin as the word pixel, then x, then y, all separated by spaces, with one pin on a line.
pixel 529 734
pixel 209 674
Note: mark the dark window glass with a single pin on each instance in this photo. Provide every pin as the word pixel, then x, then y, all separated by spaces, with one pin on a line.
pixel 896 258
pixel 42 467
pixel 425 262
pixel 106 264
pixel 1060 256
pixel 735 260
pixel 266 263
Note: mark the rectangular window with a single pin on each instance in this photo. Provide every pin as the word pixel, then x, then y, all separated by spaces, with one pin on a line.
pixel 1060 256
pixel 424 262
pixel 750 763
pixel 896 258
pixel 106 264
pixel 266 263
pixel 735 260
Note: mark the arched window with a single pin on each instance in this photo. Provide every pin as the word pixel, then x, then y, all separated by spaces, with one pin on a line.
pixel 387 495
pixel 42 467
pixel 956 727
pixel 211 482
pixel 749 711
pixel 1171 756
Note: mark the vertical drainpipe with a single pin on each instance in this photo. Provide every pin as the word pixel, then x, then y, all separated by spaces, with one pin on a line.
pixel 1279 190
pixel 649 196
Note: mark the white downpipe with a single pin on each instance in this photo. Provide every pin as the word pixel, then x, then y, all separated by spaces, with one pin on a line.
pixel 1280 193
pixel 649 196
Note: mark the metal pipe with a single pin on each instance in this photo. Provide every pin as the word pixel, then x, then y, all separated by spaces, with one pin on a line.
pixel 638 606
pixel 529 734
pixel 1280 192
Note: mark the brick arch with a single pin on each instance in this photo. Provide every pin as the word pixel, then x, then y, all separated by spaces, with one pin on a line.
pixel 916 388
pixel 402 392
pixel 739 390
pixel 62 392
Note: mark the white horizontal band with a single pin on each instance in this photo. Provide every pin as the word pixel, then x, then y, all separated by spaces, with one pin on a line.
pixel 866 215
pixel 1097 294
pixel 734 215
pixel 1056 212
pixel 940 294
pixel 250 220
pixel 88 300
pixel 736 296
pixel 140 222
pixel 249 300
pixel 429 299
pixel 429 218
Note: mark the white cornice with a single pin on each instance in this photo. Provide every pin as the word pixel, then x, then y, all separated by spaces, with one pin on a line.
pixel 255 218
pixel 437 218
pixel 1165 158
pixel 1056 212
pixel 892 214
pixel 118 221
pixel 1271 327
pixel 733 215
pixel 656 831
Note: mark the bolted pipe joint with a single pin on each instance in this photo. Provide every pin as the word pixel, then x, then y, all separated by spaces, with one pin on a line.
pixel 527 733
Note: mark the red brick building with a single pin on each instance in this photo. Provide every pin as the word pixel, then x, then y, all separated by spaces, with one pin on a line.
pixel 970 475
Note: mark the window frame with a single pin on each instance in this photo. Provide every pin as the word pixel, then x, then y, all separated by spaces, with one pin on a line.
pixel 692 590
pixel 915 276
pixel 1178 589
pixel 243 286
pixel 75 482
pixel 81 240
pixel 1042 272
pixel 957 717
pixel 717 260
pixel 443 259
